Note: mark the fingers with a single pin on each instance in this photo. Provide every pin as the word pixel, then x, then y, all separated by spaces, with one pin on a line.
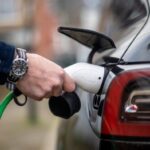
pixel 56 91
pixel 51 88
pixel 69 84
pixel 44 80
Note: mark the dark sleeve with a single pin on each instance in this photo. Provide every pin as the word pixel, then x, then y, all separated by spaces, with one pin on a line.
pixel 6 58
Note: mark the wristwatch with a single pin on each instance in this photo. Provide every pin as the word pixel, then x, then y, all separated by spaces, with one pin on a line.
pixel 19 66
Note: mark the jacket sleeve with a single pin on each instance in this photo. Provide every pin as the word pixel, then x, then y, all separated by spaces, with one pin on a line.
pixel 6 58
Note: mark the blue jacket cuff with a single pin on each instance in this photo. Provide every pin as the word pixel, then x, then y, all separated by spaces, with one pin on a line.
pixel 6 58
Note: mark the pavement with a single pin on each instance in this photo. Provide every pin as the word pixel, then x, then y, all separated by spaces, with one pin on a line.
pixel 17 132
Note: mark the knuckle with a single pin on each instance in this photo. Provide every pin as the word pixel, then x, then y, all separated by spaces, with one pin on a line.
pixel 57 83
pixel 47 89
pixel 39 95
pixel 61 73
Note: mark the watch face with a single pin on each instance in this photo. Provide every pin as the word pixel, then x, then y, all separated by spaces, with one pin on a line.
pixel 19 67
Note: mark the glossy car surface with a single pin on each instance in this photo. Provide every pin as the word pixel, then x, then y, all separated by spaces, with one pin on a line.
pixel 119 115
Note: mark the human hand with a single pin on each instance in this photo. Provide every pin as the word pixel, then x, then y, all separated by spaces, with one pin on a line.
pixel 44 78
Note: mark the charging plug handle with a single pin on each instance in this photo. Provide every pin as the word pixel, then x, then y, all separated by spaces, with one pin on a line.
pixel 66 105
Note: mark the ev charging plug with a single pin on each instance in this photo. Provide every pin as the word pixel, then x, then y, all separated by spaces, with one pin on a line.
pixel 88 77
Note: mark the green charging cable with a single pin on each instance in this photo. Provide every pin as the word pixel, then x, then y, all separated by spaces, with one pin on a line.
pixel 6 100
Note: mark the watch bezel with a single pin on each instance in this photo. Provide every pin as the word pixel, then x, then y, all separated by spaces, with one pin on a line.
pixel 22 66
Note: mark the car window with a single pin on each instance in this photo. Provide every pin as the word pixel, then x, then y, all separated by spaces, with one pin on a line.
pixel 122 20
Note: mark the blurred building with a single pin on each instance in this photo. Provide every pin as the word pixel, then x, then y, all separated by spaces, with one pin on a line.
pixel 28 24
pixel 15 16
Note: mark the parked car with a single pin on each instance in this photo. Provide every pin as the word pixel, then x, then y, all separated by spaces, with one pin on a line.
pixel 119 114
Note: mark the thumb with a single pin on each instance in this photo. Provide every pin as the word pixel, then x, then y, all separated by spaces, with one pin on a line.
pixel 69 84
